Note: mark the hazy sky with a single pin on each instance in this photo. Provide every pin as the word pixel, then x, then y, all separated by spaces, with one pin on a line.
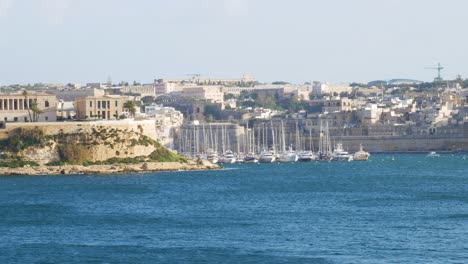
pixel 293 40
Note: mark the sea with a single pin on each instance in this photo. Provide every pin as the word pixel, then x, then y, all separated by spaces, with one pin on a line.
pixel 394 208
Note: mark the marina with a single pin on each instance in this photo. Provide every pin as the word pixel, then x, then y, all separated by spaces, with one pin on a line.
pixel 268 143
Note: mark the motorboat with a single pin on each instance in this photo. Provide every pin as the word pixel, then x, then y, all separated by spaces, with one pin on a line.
pixel 250 158
pixel 288 156
pixel 228 157
pixel 307 156
pixel 240 158
pixel 339 154
pixel 212 156
pixel 433 154
pixel 267 156
pixel 361 155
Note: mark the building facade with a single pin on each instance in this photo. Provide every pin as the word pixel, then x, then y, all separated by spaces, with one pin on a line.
pixel 142 90
pixel 18 107
pixel 102 107
pixel 212 93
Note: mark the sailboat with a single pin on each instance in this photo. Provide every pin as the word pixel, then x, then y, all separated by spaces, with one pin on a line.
pixel 325 152
pixel 286 155
pixel 308 155
pixel 267 155
pixel 250 157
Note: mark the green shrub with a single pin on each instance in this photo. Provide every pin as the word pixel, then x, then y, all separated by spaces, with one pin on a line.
pixel 161 154
pixel 73 153
pixel 18 163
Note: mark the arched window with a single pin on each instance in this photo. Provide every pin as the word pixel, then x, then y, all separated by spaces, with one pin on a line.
pixel 46 103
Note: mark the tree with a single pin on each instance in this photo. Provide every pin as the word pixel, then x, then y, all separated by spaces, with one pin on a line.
pixel 147 100
pixel 131 107
pixel 25 94
pixel 229 96
pixel 36 111
pixel 267 101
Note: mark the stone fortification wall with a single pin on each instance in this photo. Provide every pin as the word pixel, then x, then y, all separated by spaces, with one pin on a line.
pixel 404 143
pixel 54 128
pixel 102 139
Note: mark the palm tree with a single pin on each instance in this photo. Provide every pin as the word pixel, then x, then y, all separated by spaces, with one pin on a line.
pixel 131 107
pixel 25 94
pixel 36 111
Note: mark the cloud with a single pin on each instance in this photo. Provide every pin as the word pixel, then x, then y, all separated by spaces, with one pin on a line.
pixel 5 6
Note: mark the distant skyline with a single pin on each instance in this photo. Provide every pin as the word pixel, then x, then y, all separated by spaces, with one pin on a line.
pixel 80 41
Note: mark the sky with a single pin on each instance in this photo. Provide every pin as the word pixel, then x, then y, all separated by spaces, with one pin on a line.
pixel 80 41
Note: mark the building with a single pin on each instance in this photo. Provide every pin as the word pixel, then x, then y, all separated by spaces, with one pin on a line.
pixel 330 88
pixel 101 107
pixel 196 79
pixel 209 93
pixel 167 120
pixel 18 108
pixel 70 95
pixel 142 90
pixel 163 87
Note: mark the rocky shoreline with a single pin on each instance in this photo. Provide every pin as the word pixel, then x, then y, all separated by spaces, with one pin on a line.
pixel 110 169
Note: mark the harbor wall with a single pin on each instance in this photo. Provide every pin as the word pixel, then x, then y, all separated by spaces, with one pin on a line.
pixel 404 143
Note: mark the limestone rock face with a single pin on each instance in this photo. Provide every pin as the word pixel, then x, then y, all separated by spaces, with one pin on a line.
pixel 101 152
pixel 42 155
pixel 94 143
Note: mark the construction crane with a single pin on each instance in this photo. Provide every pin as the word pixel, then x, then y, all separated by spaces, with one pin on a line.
pixel 439 68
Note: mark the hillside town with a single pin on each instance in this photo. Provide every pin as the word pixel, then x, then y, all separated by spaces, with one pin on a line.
pixel 196 115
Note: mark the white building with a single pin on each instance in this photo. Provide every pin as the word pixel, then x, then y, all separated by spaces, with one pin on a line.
pixel 167 121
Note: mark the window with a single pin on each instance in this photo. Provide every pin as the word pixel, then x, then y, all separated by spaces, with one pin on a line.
pixel 25 119
pixel 47 118
pixel 90 113
pixel 104 104
pixel 90 103
pixel 46 103
pixel 116 104
pixel 98 104
pixel 15 119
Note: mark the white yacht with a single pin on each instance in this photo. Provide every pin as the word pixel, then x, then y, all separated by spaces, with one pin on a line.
pixel 267 156
pixel 339 154
pixel 228 157
pixel 250 158
pixel 240 158
pixel 361 155
pixel 433 154
pixel 288 156
pixel 307 156
pixel 212 156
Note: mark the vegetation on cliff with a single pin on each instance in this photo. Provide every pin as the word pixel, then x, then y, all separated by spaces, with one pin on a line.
pixel 75 148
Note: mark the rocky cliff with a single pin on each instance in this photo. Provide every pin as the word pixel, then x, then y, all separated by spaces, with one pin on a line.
pixel 90 145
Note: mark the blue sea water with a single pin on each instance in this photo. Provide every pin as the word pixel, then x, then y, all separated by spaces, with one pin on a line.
pixel 392 209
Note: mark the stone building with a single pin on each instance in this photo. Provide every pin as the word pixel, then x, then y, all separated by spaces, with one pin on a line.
pixel 17 107
pixel 101 107
pixel 142 90
pixel 212 93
